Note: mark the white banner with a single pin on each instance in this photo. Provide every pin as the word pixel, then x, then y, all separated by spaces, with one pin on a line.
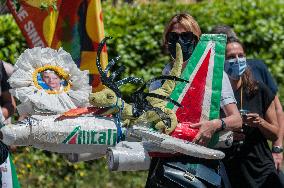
pixel 6 172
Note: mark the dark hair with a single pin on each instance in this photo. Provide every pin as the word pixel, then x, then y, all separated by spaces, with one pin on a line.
pixel 224 29
pixel 233 39
pixel 248 82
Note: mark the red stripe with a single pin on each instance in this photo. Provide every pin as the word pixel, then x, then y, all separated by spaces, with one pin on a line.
pixel 96 46
pixel 193 99
pixel 73 139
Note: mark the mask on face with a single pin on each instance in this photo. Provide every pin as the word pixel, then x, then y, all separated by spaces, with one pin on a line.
pixel 187 41
pixel 235 67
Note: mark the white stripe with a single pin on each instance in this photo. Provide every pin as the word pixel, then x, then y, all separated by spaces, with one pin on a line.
pixel 6 174
pixel 208 86
pixel 185 89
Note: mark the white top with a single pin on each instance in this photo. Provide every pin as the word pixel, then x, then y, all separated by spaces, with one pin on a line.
pixel 227 94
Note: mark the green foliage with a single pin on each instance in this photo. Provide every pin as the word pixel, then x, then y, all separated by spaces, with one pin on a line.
pixel 257 23
pixel 36 168
pixel 12 42
pixel 137 32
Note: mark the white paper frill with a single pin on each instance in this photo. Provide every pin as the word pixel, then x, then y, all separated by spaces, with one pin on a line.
pixel 38 101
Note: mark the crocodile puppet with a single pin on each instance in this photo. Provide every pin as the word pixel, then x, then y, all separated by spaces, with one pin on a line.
pixel 108 97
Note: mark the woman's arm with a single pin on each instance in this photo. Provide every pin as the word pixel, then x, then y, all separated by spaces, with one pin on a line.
pixel 233 118
pixel 280 120
pixel 268 126
pixel 9 105
pixel 278 157
pixel 233 121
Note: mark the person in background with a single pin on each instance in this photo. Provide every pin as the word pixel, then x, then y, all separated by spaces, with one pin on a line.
pixel 249 162
pixel 183 29
pixel 9 71
pixel 8 107
pixel 261 73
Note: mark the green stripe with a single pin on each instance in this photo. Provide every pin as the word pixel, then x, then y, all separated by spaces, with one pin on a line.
pixel 84 136
pixel 79 137
pixel 191 65
pixel 88 137
pixel 71 134
pixel 114 138
pixel 109 133
pixel 15 180
pixel 220 44
pixel 217 78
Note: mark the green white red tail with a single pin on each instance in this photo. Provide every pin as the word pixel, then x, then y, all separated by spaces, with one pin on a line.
pixel 200 98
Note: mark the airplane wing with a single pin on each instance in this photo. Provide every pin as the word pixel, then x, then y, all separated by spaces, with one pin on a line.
pixel 174 144
pixel 133 156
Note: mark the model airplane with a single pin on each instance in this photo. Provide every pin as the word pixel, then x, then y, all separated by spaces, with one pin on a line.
pixel 90 137
pixel 88 133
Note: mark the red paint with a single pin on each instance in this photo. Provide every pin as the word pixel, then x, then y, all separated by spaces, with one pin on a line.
pixel 193 99
pixel 96 46
pixel 183 131
pixel 73 139
pixel 192 104
pixel 96 80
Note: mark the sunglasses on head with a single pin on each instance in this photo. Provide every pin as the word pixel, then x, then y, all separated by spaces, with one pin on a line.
pixel 173 37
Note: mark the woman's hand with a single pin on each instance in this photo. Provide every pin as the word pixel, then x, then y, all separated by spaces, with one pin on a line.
pixel 278 158
pixel 253 120
pixel 268 126
pixel 206 130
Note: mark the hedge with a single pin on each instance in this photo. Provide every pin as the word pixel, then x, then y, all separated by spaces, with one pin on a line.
pixel 37 168
pixel 137 38
pixel 257 23
pixel 12 42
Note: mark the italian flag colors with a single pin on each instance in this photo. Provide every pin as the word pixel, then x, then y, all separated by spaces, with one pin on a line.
pixel 8 175
pixel 200 98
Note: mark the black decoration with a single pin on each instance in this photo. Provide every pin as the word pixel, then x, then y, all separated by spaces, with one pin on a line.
pixel 109 81
pixel 140 103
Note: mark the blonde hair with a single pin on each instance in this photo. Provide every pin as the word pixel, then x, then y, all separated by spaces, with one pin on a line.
pixel 186 21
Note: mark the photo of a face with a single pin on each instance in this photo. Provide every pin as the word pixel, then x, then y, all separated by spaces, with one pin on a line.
pixel 49 80
pixel 52 80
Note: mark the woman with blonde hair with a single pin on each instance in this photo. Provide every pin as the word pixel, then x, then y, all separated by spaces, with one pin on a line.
pixel 183 29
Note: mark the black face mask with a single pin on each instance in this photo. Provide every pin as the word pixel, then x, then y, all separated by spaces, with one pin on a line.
pixel 187 41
